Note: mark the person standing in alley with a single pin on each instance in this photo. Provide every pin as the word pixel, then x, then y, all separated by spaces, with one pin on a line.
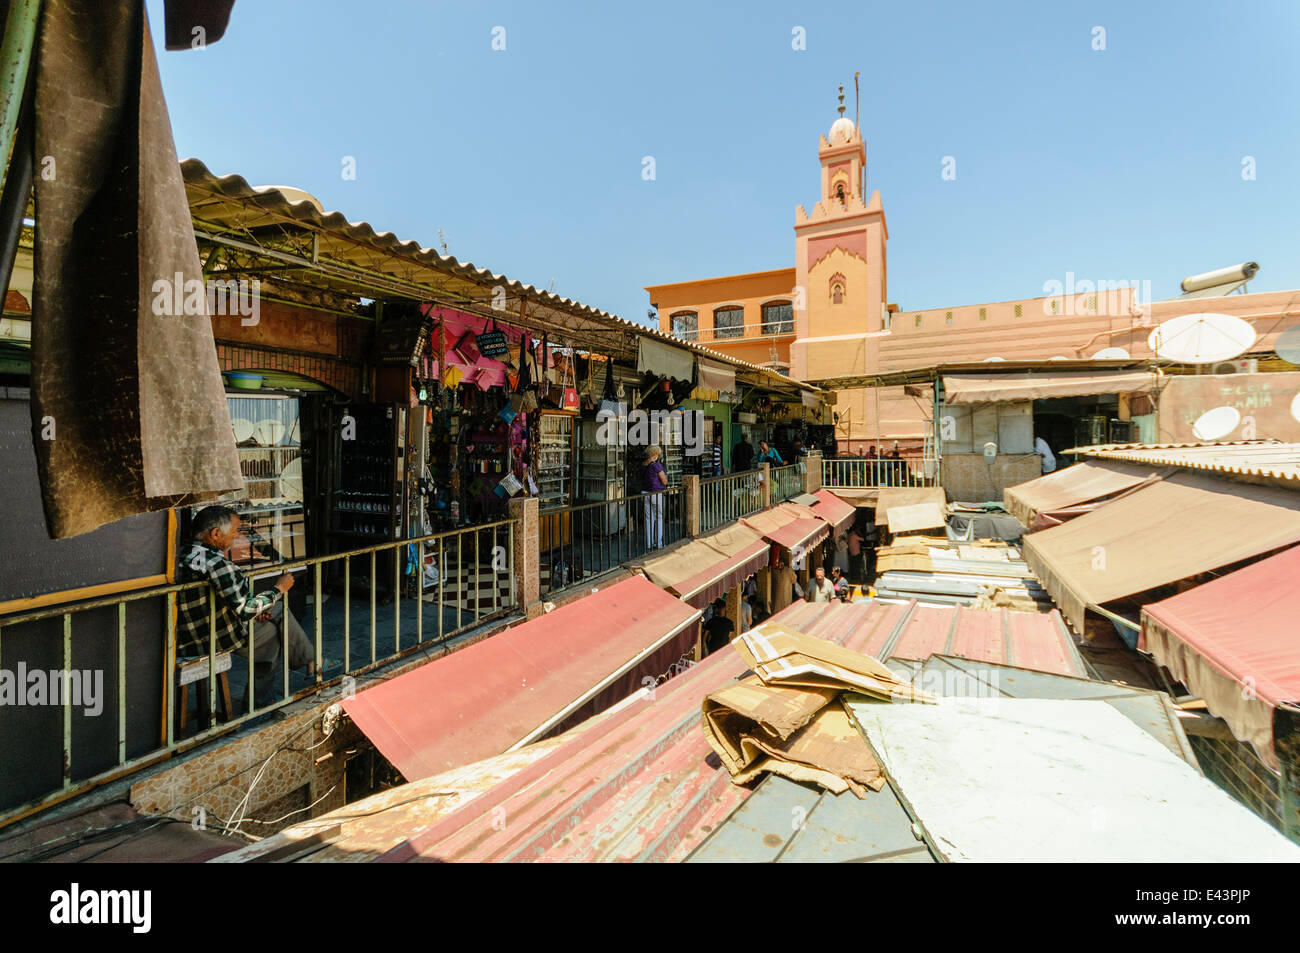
pixel 767 454
pixel 823 590
pixel 718 630
pixel 1043 450
pixel 717 452
pixel 855 541
pixel 742 457
pixel 653 482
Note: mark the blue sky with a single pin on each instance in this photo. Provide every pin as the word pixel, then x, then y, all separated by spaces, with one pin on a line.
pixel 1120 164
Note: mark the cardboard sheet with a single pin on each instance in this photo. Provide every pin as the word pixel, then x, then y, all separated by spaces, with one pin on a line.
pixel 786 716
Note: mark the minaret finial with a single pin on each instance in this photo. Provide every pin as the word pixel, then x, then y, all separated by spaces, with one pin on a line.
pixel 841 99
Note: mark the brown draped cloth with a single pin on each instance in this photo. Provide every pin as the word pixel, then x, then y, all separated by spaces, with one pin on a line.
pixel 135 398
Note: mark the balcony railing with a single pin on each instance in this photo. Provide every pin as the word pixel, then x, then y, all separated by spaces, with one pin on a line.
pixel 579 542
pixel 787 481
pixel 727 498
pixel 466 577
pixel 868 473
pixel 748 332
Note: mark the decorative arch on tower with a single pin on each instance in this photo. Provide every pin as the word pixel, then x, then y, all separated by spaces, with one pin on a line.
pixel 836 288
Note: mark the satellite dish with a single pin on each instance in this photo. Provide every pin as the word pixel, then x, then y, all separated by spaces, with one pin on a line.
pixel 1201 338
pixel 1217 423
pixel 268 432
pixel 1295 407
pixel 1112 354
pixel 243 429
pixel 1288 345
pixel 987 359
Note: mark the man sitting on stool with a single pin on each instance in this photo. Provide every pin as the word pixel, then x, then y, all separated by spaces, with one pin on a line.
pixel 206 558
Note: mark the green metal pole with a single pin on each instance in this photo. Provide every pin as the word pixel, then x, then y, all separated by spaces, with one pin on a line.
pixel 15 62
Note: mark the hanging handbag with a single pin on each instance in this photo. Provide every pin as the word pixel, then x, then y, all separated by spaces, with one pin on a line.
pixel 492 342
pixel 466 349
pixel 569 399
pixel 608 400
pixel 527 395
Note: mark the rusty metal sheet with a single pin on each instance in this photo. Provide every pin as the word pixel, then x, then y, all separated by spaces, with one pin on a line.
pixel 507 690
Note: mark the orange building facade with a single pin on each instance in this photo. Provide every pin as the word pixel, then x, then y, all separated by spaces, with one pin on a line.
pixel 830 316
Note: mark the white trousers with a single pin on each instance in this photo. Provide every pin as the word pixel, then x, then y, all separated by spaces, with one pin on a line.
pixel 654 521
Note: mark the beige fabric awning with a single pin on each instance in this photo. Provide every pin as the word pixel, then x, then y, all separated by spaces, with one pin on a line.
pixel 906 519
pixel 1185 524
pixel 1002 388
pixel 664 360
pixel 1081 483
pixel 717 377
pixel 904 496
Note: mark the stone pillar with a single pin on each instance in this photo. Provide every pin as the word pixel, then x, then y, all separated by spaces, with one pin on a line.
pixel 765 491
pixel 812 480
pixel 782 581
pixel 763 579
pixel 691 498
pixel 733 608
pixel 527 556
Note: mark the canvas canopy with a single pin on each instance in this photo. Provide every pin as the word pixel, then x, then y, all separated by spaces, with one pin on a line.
pixel 833 510
pixel 717 377
pixel 1183 525
pixel 1002 388
pixel 1232 641
pixel 707 568
pixel 905 496
pixel 664 360
pixel 1081 483
pixel 789 525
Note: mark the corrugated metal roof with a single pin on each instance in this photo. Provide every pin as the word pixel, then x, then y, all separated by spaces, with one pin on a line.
pixel 514 688
pixel 637 784
pixel 787 822
pixel 1262 458
pixel 228 207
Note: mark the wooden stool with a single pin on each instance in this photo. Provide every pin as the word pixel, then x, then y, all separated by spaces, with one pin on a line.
pixel 196 670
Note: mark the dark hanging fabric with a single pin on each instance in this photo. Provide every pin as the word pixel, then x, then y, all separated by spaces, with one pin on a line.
pixel 609 381
pixel 128 410
pixel 191 24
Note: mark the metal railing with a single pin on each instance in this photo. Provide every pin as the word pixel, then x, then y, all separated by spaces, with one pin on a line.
pixel 725 499
pixel 879 473
pixel 465 575
pixel 578 542
pixel 787 481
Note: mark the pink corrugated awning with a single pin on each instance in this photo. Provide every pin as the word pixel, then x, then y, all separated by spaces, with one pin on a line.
pixel 517 686
pixel 790 525
pixel 1030 640
pixel 1233 642
pixel 719 578
pixel 834 510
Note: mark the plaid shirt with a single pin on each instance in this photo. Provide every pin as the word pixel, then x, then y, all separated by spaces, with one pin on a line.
pixel 236 604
